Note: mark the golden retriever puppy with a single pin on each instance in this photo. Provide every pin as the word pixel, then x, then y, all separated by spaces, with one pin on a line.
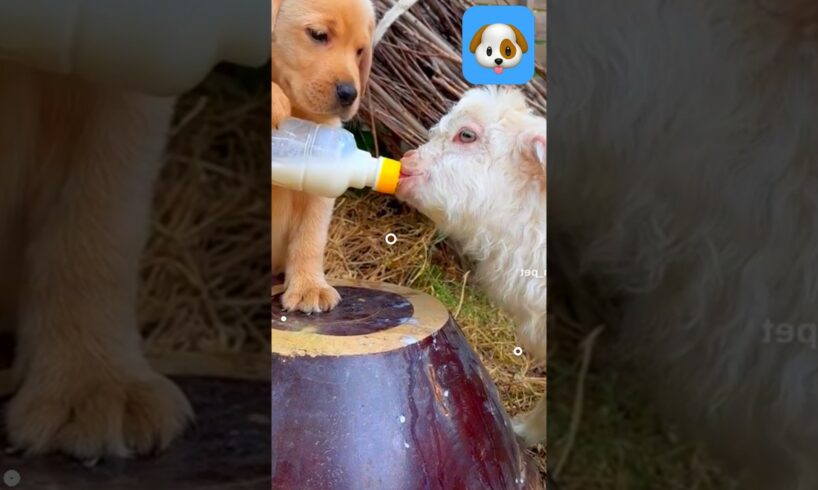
pixel 321 57
pixel 77 164
pixel 482 179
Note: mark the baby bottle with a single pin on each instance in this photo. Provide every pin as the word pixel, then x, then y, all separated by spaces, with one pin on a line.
pixel 324 160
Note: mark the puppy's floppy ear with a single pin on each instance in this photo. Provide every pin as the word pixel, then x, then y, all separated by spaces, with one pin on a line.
pixel 365 65
pixel 478 36
pixel 520 38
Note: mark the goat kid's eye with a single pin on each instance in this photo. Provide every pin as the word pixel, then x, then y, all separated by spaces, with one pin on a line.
pixel 360 52
pixel 318 36
pixel 466 136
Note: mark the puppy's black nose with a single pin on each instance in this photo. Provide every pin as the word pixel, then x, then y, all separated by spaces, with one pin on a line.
pixel 346 94
pixel 498 61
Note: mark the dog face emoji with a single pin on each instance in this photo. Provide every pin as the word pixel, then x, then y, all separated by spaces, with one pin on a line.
pixel 498 46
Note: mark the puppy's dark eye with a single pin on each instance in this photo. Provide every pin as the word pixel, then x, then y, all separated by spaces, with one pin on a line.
pixel 508 51
pixel 466 136
pixel 488 51
pixel 318 36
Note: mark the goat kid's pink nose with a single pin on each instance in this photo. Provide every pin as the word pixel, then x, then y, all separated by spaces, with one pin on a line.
pixel 409 154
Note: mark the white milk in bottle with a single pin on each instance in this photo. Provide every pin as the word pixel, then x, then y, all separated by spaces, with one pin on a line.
pixel 324 160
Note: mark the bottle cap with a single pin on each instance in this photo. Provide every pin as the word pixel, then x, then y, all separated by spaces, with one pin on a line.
pixel 388 176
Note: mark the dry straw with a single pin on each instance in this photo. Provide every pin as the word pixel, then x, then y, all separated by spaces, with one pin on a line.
pixel 208 256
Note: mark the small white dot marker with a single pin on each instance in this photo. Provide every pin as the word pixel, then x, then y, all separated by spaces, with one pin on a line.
pixel 11 478
pixel 391 239
pixel 283 318
pixel 402 419
pixel 518 351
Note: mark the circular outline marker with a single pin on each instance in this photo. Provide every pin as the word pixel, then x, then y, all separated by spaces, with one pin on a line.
pixel 394 239
pixel 518 351
pixel 11 478
pixel 283 318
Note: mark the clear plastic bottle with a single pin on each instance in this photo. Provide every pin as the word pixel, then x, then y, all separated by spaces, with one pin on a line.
pixel 157 47
pixel 325 160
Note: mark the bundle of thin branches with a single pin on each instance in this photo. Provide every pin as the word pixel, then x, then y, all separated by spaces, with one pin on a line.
pixel 417 75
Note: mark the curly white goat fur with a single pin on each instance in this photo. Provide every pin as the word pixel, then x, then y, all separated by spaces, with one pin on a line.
pixel 685 181
pixel 482 179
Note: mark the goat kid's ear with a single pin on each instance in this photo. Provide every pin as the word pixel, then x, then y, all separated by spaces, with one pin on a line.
pixel 533 144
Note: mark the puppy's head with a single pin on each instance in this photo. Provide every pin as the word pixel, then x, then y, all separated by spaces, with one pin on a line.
pixel 498 46
pixel 322 54
pixel 488 153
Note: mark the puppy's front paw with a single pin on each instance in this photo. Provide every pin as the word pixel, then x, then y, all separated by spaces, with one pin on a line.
pixel 281 105
pixel 310 297
pixel 530 427
pixel 96 415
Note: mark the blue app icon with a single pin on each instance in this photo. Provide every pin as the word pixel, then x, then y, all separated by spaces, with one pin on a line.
pixel 498 45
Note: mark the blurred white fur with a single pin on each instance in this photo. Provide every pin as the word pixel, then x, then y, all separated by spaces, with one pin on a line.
pixel 685 180
pixel 488 195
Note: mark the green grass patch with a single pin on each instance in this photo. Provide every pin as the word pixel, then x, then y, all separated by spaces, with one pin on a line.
pixel 620 444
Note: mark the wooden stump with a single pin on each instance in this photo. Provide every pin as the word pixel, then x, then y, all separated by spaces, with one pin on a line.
pixel 384 392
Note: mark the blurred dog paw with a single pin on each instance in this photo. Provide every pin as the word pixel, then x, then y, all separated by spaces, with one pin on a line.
pixel 96 414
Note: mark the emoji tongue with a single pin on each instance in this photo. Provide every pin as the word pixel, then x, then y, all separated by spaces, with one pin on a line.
pixel 498 70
